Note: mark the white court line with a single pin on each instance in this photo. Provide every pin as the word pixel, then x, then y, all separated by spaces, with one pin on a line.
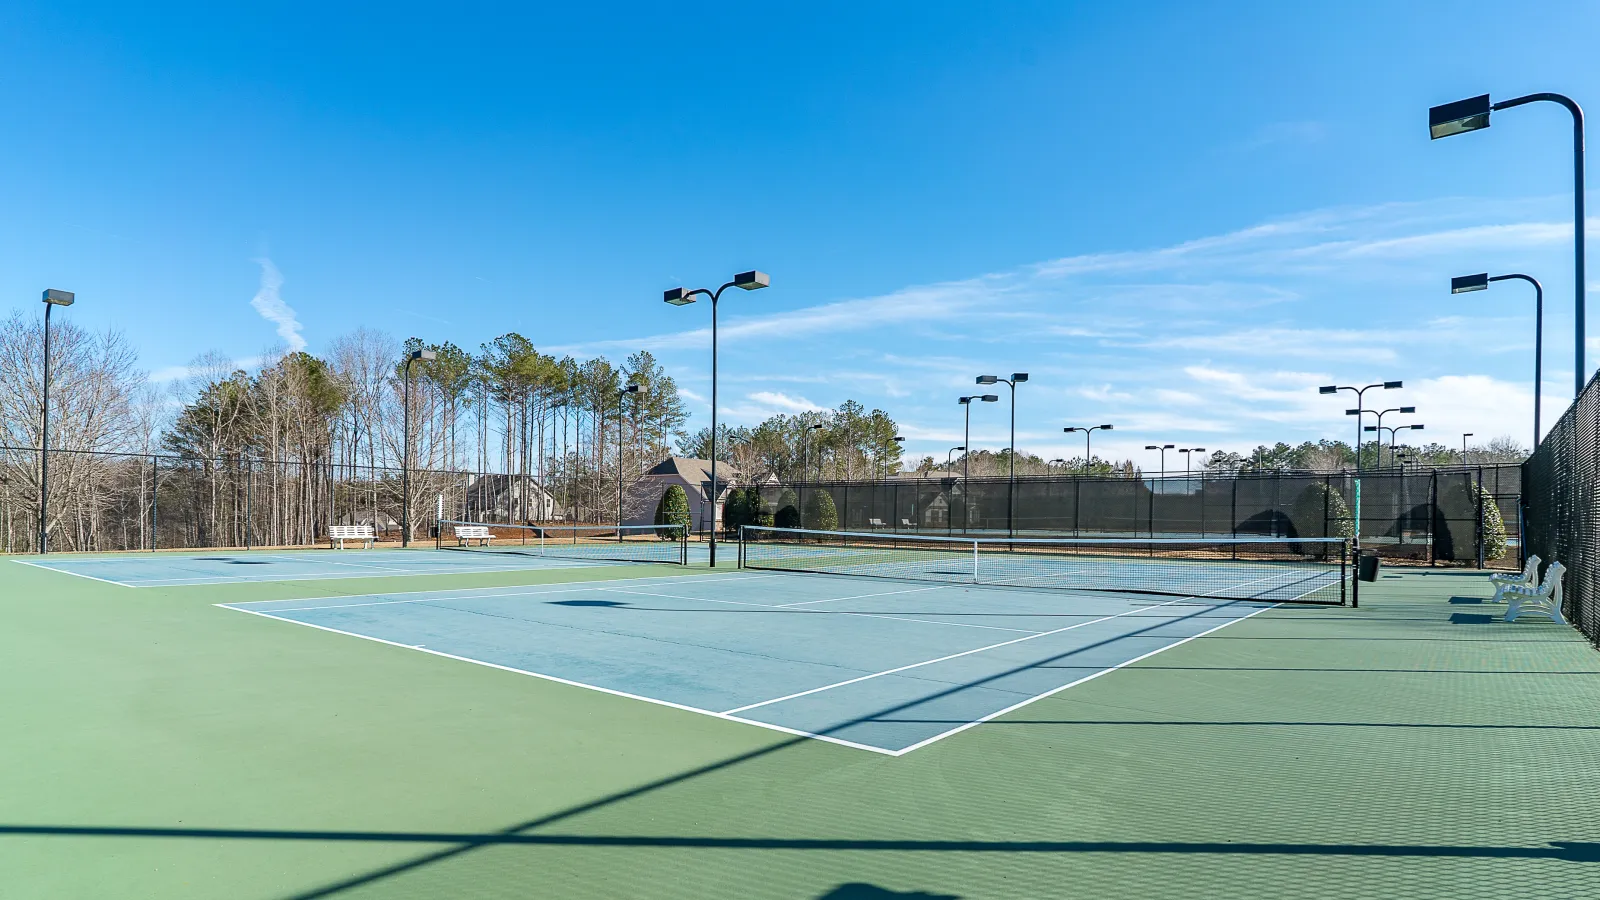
pixel 70 572
pixel 1090 677
pixel 579 684
pixel 515 591
pixel 858 597
pixel 929 662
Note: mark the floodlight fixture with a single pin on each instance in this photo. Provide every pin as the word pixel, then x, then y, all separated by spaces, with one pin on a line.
pixel 59 298
pixel 1019 376
pixel 423 355
pixel 752 281
pixel 1459 117
pixel 990 398
pixel 678 296
pixel 1466 283
pixel 1328 389
pixel 988 379
pixel 1391 385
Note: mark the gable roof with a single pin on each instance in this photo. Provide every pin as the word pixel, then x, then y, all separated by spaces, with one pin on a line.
pixel 694 471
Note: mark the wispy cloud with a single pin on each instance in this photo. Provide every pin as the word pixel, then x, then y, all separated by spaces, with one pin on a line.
pixel 269 303
pixel 1219 340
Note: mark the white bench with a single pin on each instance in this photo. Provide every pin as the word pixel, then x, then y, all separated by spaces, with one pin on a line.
pixel 1528 578
pixel 338 534
pixel 1544 599
pixel 874 523
pixel 906 524
pixel 466 534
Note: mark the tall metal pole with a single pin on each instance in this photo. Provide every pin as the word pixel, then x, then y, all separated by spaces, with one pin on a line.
pixel 714 506
pixel 1011 479
pixel 1578 373
pixel 405 461
pixel 966 478
pixel 44 436
pixel 1538 339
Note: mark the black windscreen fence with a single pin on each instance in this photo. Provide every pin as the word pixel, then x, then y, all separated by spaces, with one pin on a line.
pixel 1462 516
pixel 1563 506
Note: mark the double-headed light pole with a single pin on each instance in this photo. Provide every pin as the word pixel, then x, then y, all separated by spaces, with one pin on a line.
pixel 1011 479
pixel 1472 115
pixel 405 452
pixel 632 388
pixel 748 281
pixel 1480 282
pixel 1163 448
pixel 1188 456
pixel 966 455
pixel 1380 429
pixel 1405 410
pixel 1360 409
pixel 1087 432
pixel 52 298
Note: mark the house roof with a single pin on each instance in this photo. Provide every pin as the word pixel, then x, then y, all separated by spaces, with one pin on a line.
pixel 694 471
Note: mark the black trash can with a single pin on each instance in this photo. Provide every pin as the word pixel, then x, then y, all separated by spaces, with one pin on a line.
pixel 1367 565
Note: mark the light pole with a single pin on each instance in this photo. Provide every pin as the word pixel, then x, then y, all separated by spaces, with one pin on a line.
pixel 1464 447
pixel 748 281
pixel 1359 410
pixel 947 459
pixel 1062 462
pixel 899 441
pixel 52 298
pixel 805 453
pixel 1087 432
pixel 634 390
pixel 405 451
pixel 966 457
pixel 1473 114
pixel 1379 429
pixel 1011 479
pixel 1480 282
pixel 1163 448
pixel 1186 451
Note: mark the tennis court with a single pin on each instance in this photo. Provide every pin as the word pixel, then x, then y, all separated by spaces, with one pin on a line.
pixel 880 665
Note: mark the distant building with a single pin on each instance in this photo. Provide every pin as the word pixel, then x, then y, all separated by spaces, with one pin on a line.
pixel 508 498
pixel 694 476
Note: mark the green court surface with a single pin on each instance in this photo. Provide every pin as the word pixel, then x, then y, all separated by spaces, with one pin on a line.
pixel 158 745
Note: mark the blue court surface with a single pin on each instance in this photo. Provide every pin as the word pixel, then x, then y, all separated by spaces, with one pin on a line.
pixel 242 567
pixel 880 665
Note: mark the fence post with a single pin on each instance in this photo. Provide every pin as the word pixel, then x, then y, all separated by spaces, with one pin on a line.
pixel 1480 534
pixel 155 491
pixel 1433 511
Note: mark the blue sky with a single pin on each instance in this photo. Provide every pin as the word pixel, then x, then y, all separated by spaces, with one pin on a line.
pixel 1178 218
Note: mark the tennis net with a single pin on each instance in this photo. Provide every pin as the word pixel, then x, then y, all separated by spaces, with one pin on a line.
pixel 1283 570
pixel 610 543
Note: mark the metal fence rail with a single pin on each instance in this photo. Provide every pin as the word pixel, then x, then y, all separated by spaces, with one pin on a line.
pixel 1563 506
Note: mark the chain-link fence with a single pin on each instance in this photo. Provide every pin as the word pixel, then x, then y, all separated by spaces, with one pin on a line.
pixel 1563 506
pixel 1446 516
pixel 119 501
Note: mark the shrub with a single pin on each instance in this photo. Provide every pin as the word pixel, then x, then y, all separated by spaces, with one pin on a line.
pixel 821 513
pixel 1315 502
pixel 788 514
pixel 756 510
pixel 673 510
pixel 734 511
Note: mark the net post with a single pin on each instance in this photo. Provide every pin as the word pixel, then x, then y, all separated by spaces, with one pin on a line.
pixel 1355 583
pixel 975 562
pixel 739 560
